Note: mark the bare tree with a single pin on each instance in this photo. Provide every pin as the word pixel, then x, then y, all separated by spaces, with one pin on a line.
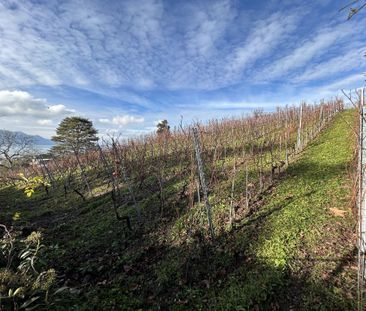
pixel 13 145
pixel 353 10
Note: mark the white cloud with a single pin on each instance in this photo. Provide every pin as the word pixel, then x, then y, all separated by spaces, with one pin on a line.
pixel 44 122
pixel 122 120
pixel 59 109
pixel 20 103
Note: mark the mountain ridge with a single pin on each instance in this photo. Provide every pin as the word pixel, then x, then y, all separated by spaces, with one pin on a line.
pixel 37 139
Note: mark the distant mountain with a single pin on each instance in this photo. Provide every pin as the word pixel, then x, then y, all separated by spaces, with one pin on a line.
pixel 38 140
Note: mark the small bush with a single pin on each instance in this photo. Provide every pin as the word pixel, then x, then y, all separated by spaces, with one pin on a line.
pixel 24 281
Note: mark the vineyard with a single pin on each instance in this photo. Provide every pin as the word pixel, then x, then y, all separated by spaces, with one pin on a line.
pixel 169 220
pixel 245 154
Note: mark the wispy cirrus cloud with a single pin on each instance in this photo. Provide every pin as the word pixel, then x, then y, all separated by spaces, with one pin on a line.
pixel 266 36
pixel 207 27
pixel 308 50
pixel 351 60
pixel 348 82
pixel 151 44
pixel 135 44
pixel 143 60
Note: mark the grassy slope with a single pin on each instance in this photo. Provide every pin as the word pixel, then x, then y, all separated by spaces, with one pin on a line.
pixel 300 248
pixel 291 251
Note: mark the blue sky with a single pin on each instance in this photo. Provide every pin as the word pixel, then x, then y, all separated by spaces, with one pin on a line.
pixel 127 64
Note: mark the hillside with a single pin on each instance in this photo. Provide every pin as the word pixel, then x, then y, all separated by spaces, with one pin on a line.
pixel 293 249
pixel 36 139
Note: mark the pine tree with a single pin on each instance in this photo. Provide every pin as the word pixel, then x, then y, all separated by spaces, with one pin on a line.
pixel 75 135
pixel 162 127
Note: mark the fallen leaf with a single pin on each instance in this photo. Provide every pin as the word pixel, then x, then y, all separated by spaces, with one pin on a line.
pixel 337 212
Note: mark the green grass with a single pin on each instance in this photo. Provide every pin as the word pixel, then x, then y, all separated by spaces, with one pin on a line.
pixel 286 238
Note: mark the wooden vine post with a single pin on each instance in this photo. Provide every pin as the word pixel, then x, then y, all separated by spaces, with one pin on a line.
pixel 298 145
pixel 362 205
pixel 201 174
pixel 320 118
pixel 286 137
pixel 126 179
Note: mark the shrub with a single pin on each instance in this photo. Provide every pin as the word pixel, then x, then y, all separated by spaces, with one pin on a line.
pixel 24 281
